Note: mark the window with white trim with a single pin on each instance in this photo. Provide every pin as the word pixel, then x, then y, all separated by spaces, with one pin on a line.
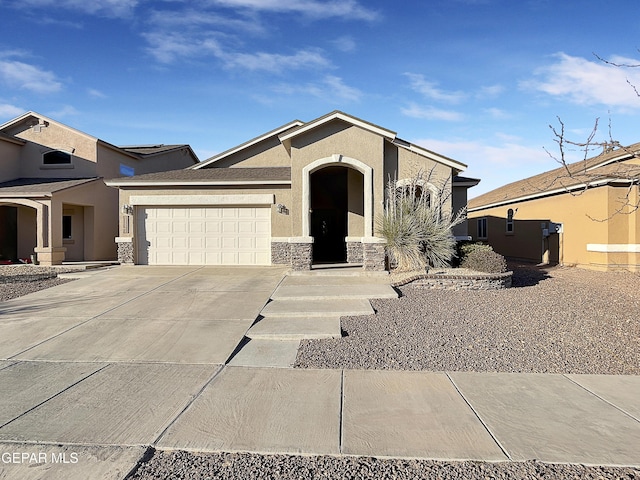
pixel 482 228
pixel 509 224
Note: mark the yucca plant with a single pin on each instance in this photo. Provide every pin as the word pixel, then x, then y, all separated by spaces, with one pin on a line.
pixel 415 226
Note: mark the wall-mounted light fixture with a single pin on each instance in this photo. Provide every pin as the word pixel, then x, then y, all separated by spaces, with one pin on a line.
pixel 127 209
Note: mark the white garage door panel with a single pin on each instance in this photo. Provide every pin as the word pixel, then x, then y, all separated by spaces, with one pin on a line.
pixel 204 235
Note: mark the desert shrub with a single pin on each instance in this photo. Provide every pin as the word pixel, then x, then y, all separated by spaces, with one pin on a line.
pixel 416 229
pixel 464 247
pixel 484 260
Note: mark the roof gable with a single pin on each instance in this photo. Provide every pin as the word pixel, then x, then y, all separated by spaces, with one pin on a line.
pixel 249 143
pixel 31 116
pixel 337 115
pixel 296 128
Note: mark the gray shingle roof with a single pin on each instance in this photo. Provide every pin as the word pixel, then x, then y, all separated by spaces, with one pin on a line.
pixel 239 175
pixel 150 149
pixel 39 186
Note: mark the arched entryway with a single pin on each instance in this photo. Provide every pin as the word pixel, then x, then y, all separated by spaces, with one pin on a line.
pixel 329 214
pixel 337 208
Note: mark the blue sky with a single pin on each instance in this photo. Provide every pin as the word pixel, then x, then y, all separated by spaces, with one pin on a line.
pixel 477 80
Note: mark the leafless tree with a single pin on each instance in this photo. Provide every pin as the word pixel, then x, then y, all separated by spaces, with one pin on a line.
pixel 602 161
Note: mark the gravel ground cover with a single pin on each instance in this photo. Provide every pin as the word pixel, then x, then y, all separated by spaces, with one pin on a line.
pixel 18 280
pixel 194 466
pixel 560 320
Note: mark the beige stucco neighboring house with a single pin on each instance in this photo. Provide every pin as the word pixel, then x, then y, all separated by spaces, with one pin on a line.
pixel 54 204
pixel 584 214
pixel 304 193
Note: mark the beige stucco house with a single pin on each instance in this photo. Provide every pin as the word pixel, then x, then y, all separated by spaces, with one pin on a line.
pixel 585 214
pixel 53 200
pixel 301 194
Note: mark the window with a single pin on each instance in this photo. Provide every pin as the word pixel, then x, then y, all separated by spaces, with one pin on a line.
pixel 126 170
pixel 482 228
pixel 66 227
pixel 510 220
pixel 56 157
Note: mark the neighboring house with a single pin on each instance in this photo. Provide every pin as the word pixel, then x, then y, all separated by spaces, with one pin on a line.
pixel 303 193
pixel 585 214
pixel 53 201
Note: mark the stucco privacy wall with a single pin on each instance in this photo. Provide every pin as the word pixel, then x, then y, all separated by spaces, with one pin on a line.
pixel 579 230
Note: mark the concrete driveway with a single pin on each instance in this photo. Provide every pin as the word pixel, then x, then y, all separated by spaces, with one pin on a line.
pixel 94 370
pixel 187 315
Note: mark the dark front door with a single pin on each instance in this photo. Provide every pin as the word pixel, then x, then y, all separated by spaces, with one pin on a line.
pixel 8 234
pixel 329 214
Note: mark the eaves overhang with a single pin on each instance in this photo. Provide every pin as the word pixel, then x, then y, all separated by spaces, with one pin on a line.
pixel 201 183
pixel 548 193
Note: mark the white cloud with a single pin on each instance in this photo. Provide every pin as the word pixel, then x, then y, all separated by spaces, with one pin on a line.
pixel 498 113
pixel 95 93
pixel 28 77
pixel 490 91
pixel 586 82
pixel 167 47
pixel 195 19
pixel 64 111
pixel 330 88
pixel 347 9
pixel 496 164
pixel 109 8
pixel 430 90
pixel 432 113
pixel 8 111
pixel 275 62
pixel 345 44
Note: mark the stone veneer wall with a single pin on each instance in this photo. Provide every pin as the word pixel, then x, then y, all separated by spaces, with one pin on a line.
pixel 479 281
pixel 280 253
pixel 125 252
pixel 355 252
pixel 373 256
pixel 301 255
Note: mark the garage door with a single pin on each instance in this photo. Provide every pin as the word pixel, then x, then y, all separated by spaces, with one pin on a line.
pixel 204 235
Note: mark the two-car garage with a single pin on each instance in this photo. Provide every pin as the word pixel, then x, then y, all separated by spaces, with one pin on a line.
pixel 203 235
pixel 209 216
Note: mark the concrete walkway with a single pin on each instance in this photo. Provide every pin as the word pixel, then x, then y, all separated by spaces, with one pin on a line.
pixel 308 307
pixel 91 374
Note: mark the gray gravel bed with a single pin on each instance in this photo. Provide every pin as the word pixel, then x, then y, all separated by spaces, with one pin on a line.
pixel 19 280
pixel 562 320
pixel 194 466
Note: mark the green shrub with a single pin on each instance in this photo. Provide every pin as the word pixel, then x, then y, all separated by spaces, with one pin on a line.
pixel 484 260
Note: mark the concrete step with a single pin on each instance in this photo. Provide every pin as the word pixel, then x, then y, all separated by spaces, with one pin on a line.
pixel 320 292
pixel 334 280
pixel 295 328
pixel 317 307
pixel 266 353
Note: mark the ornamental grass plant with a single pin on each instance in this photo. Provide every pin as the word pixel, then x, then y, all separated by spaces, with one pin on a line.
pixel 416 225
